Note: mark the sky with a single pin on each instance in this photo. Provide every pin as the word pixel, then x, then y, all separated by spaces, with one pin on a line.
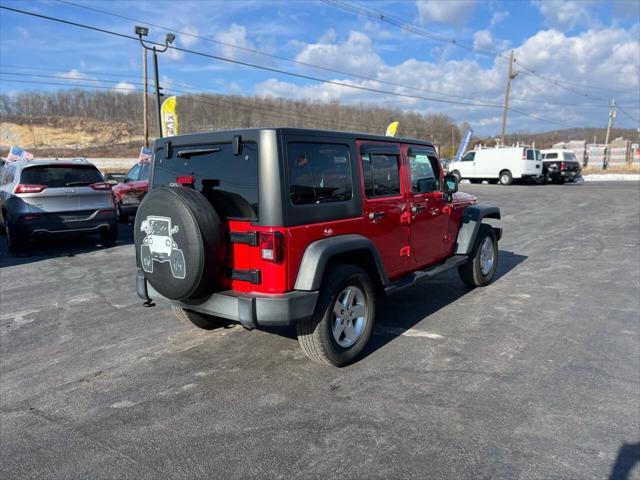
pixel 451 57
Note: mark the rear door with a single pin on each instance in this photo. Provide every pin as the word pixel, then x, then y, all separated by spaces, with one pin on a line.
pixel 430 239
pixel 385 204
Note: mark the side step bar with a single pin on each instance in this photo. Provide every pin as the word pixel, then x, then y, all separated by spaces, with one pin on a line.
pixel 408 280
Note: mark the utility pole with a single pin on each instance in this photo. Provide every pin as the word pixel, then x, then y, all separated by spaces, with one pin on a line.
pixel 145 101
pixel 510 77
pixel 612 116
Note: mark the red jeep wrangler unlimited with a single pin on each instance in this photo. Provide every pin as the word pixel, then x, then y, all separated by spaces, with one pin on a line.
pixel 302 227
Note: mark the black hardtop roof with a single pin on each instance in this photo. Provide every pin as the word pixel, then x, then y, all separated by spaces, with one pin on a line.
pixel 203 136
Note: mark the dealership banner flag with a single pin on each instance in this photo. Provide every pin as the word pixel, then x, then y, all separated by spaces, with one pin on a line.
pixel 464 144
pixel 169 117
pixel 392 129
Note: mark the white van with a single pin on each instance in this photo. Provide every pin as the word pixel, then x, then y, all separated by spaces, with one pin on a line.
pixel 503 164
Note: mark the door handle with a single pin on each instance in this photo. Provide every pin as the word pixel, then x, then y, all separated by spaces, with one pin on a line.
pixel 375 216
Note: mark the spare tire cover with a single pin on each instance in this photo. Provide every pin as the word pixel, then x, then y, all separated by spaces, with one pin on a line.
pixel 179 242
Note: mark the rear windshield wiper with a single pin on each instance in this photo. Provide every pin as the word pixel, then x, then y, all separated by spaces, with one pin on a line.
pixel 196 151
pixel 77 184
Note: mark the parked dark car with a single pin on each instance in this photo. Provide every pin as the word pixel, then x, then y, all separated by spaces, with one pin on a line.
pixel 560 166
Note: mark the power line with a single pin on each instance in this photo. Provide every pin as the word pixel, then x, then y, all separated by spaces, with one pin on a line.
pixel 280 71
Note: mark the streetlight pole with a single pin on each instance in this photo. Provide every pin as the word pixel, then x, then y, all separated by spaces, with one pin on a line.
pixel 145 100
pixel 143 32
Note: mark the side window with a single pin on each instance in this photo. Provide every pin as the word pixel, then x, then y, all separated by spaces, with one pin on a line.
pixel 144 171
pixel 469 157
pixel 319 173
pixel 425 176
pixel 530 154
pixel 134 172
pixel 550 156
pixel 381 175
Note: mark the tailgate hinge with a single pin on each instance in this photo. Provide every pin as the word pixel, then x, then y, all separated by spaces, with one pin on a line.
pixel 250 238
pixel 405 251
pixel 405 217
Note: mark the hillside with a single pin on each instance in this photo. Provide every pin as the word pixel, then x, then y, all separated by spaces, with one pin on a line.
pixel 109 124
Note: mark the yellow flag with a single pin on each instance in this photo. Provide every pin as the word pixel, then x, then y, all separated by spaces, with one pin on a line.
pixel 169 117
pixel 392 129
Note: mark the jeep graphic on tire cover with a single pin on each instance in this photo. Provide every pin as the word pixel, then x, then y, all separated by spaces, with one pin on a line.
pixel 179 243
pixel 158 245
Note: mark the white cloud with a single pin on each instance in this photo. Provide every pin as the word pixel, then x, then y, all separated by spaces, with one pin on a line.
pixel 483 40
pixel 498 17
pixel 74 74
pixel 565 14
pixel 188 40
pixel 455 12
pixel 236 35
pixel 24 33
pixel 174 55
pixel 356 54
pixel 125 87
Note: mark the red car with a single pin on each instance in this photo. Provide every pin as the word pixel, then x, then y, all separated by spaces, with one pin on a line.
pixel 129 194
pixel 270 227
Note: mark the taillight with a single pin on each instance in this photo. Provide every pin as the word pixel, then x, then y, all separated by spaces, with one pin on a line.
pixel 101 186
pixel 561 165
pixel 524 154
pixel 24 188
pixel 271 246
pixel 31 217
pixel 186 180
pixel 106 212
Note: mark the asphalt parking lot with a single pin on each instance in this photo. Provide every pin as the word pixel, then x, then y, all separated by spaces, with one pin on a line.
pixel 535 376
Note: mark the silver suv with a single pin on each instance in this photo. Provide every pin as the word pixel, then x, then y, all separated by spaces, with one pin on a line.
pixel 55 197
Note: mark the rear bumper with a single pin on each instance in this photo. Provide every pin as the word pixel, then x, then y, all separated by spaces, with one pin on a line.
pixel 251 310
pixel 61 228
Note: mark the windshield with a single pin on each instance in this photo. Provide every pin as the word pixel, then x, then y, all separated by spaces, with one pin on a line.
pixel 158 227
pixel 230 182
pixel 58 176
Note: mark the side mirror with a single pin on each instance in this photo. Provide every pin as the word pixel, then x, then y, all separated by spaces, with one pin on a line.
pixel 450 184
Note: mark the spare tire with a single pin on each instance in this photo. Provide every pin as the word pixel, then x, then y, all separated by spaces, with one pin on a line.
pixel 179 242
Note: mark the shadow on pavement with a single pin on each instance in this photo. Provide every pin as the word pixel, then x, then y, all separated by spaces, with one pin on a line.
pixel 398 313
pixel 628 457
pixel 45 248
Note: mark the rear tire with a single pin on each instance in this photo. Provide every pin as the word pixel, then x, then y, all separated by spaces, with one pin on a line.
pixel 200 320
pixel 506 178
pixel 481 267
pixel 15 241
pixel 343 320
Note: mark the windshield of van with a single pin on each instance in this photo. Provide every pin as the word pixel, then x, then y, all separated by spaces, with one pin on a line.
pixel 230 182
pixel 59 176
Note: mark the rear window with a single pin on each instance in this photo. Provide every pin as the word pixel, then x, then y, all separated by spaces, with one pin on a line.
pixel 58 176
pixel 570 156
pixel 319 173
pixel 230 182
pixel 550 156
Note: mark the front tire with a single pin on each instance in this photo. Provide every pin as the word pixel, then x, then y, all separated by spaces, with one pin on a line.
pixel 481 268
pixel 343 320
pixel 200 320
